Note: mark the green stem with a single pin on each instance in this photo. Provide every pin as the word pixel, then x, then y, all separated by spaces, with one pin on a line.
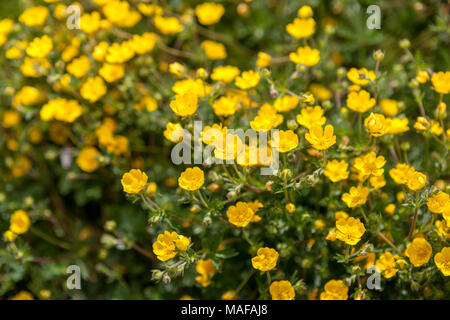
pixel 50 239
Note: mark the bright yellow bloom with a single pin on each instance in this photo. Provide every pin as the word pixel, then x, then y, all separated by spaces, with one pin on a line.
pixel 305 55
pixel 282 290
pixel 286 103
pixel 369 165
pixel 436 128
pixel 438 202
pixel 206 269
pixel 422 76
pixel 442 229
pixel 90 22
pixel 390 209
pixel 240 215
pixel 34 16
pixel 305 12
pixel 168 25
pixel 376 124
pixel 197 87
pixel 79 67
pixel 40 47
pixel 112 72
pixel 173 132
pixel 416 181
pixel 229 295
pixel 184 105
pixel 389 107
pixel 225 106
pixel 9 236
pixel 22 295
pixel 120 13
pixel 290 207
pixel 209 13
pixel 10 119
pixel 285 141
pixel 442 261
pixel 28 96
pixel 93 89
pixel 267 118
pixel 446 214
pixel 214 50
pixel 361 76
pixel 311 116
pixel 19 222
pixel 421 124
pixel 191 179
pixel 419 251
pixel 166 245
pixel 264 60
pixel 320 91
pixel 142 44
pixel 134 181
pixel 334 290
pixel 401 172
pixel 360 101
pixel 150 9
pixel 225 73
pixel 86 159
pixel 336 170
pixel 441 82
pixel 377 182
pixel 321 139
pixel 349 230
pixel 120 52
pixel 61 109
pixel 34 67
pixel 398 125
pixel 247 80
pixel 265 260
pixel 301 28
pixel 13 53
pixel 356 197
pixel 387 265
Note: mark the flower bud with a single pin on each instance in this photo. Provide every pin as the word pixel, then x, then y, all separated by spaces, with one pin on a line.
pixel 292 124
pixel 110 225
pixel 156 275
pixel 404 43
pixel 378 55
pixel 166 278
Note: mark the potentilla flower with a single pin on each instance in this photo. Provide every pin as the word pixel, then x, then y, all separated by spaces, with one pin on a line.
pixel 198 87
pixel 142 44
pixel 334 290
pixel 398 125
pixel 184 104
pixel 369 165
pixel 285 103
pixel 34 16
pixel 376 124
pixel 173 132
pixel 306 56
pixel 214 50
pixel 86 159
pixel 112 72
pixel 290 207
pixel 28 96
pixel 148 9
pixel 264 60
pixel 377 182
pixel 321 139
pixel 206 269
pixel 19 222
pixel 387 265
pixel 79 67
pixel 438 202
pixel 442 261
pixel 211 133
pixel 421 124
pixel 177 69
pixel 422 76
pixel 93 89
pixel 225 73
pixel 441 82
pixel 265 260
pixel 442 229
pixel 360 101
pixel 247 80
pixel 90 22
pixel 361 76
pixel 168 25
pixel 416 181
pixel 401 172
pixel 164 247
pixel 35 67
pixel 282 290
pixel 311 116
pixel 10 119
pixel 120 13
pixel 435 128
pixel 446 214
pixel 225 106
pixel 301 28
pixel 120 52
pixel 419 251
pixel 389 107
pixel 191 179
pixel 61 109
pixel 285 141
pixel 40 47
pixel 305 12
pixel 336 170
pixel 134 181
pixel 356 197
pixel 209 13
pixel 349 230
pixel 321 92
pixel 240 215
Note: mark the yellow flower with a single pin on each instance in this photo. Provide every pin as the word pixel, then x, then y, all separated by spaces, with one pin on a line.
pixel 340 214
pixel 389 107
pixel 214 50
pixel 13 53
pixel 134 181
pixel 285 141
pixel 211 133
pixel 22 166
pixel 184 104
pixel 229 295
pixel 34 67
pixel 225 106
pixel 86 159
pixel 422 76
pixel 290 207
pixel 301 28
pixel 319 224
pixel 438 202
pixel 28 95
pixel 421 124
pixel 360 77
pixel 357 196
pixel 349 230
pixel 264 60
pixel 9 236
pixel 148 102
pixel 334 290
pixel 336 170
pixel 90 22
pixel 416 181
pixel 61 109
pixel 305 55
pixel 387 265
pixel 442 229
pixel 360 101
pixel 206 269
pixel 142 44
pixel 79 67
pixel 265 260
pixel 401 172
pixel 164 246
pixel 311 116
pixel 191 179
pixel 35 16
pixel 446 214
pixel 240 215
pixel 173 132
pixel 197 87
pixel 40 47
pixel 397 125
pixel 436 128
pixel 419 251
pixel 6 26
pixel 22 295
pixel 369 165
pixel 305 12
pixel 10 119
pixel 282 290
pixel 150 9
pixel 248 79
pixel 286 103
pixel 320 91
pixel 225 73
pixel 168 25
pixel 93 89
pixel 321 139
pixel 177 69
pixel 120 14
pixel 19 222
pixel 441 82
pixel 112 72
pixel 209 13
pixel 390 209
pixel 100 51
pixel 376 124
pixel 442 261
pixel 120 52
